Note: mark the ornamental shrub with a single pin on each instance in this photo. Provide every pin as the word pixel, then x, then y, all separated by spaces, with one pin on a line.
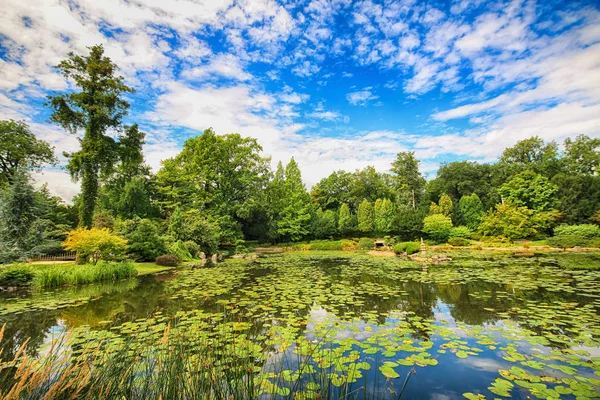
pixel 584 230
pixel 407 247
pixel 458 241
pixel 366 244
pixel 437 226
pixel 349 244
pixel 144 239
pixel 240 247
pixel 16 275
pixel 95 244
pixel 460 232
pixel 193 248
pixel 179 250
pixel 570 241
pixel 168 260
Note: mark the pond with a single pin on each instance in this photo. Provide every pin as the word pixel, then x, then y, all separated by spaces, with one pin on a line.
pixel 308 325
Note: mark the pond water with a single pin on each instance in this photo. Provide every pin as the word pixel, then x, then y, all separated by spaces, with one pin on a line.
pixel 484 328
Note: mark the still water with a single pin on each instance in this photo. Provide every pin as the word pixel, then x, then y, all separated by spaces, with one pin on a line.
pixel 520 328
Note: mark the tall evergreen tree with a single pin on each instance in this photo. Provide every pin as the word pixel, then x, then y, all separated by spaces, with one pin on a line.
pixel 96 108
pixel 408 181
pixel 366 216
pixel 345 220
pixel 471 210
pixel 384 216
pixel 294 220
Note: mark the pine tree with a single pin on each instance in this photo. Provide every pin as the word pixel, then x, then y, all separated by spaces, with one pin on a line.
pixel 295 217
pixel 345 220
pixel 384 216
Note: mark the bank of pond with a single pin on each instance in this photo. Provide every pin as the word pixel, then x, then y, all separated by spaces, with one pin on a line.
pixel 314 324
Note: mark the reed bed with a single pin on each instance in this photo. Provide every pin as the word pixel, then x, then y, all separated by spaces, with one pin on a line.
pixel 56 276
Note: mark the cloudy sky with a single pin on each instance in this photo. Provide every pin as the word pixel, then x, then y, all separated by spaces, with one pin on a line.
pixel 337 84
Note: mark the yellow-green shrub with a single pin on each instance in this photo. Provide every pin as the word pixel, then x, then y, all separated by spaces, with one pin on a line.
pixel 95 244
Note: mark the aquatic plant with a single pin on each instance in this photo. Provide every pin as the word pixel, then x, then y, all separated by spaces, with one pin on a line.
pixel 56 276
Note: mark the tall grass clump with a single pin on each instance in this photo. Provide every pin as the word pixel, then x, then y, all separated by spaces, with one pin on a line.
pixel 57 276
pixel 16 275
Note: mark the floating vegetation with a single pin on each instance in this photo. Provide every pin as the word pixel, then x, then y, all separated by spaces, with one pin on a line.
pixel 315 326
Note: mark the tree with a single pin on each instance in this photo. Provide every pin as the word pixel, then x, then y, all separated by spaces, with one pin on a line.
pixel 463 178
pixel 96 108
pixel 368 184
pixel 530 190
pixel 345 225
pixel 324 224
pixel 293 222
pixel 444 207
pixel 333 191
pixel 223 175
pixel 471 210
pixel 437 226
pixel 176 225
pixel 134 200
pixel 582 155
pixel 385 214
pixel 530 154
pixel 19 213
pixel 408 181
pixel 578 196
pixel 95 244
pixel 517 222
pixel 145 242
pixel 366 216
pixel 20 149
pixel 409 221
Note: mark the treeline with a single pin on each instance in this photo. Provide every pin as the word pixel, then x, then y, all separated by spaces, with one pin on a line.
pixel 220 189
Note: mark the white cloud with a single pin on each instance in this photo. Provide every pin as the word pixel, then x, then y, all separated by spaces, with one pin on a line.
pixel 222 66
pixel 361 97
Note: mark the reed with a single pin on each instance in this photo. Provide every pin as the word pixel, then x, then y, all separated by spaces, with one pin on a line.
pixel 56 276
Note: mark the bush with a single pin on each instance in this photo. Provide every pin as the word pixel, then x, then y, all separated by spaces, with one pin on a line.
pixel 168 260
pixel 437 226
pixel 326 245
pixel 458 241
pixel 57 276
pixel 496 239
pixel 95 244
pixel 179 250
pixel 407 247
pixel 16 275
pixel 366 244
pixel 584 230
pixel 240 247
pixel 47 249
pixel 193 248
pixel 570 241
pixel 460 232
pixel 389 240
pixel 349 244
pixel 145 241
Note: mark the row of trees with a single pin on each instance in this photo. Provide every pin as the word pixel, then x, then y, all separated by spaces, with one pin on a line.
pixel 220 188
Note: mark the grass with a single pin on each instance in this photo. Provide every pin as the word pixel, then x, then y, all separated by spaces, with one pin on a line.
pixel 148 268
pixel 56 276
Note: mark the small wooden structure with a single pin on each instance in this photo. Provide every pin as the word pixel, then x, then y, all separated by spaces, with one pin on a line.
pixel 67 256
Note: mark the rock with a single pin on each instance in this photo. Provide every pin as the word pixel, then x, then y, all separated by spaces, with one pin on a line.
pixel 202 255
pixel 214 258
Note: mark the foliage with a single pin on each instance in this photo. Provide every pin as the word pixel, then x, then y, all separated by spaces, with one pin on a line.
pixel 95 244
pixel 168 260
pixel 366 244
pixel 176 225
pixel 444 207
pixel 96 108
pixel 409 221
pixel 437 226
pixel 460 232
pixel 56 276
pixel 333 192
pixel 366 216
pixel 582 155
pixel 517 222
pixel 385 214
pixel 104 219
pixel 21 150
pixel 531 154
pixel 407 247
pixel 16 275
pixel 349 244
pixel 201 229
pixel 458 241
pixel 324 224
pixel 194 248
pixel 570 241
pixel 407 180
pixel 530 190
pixel 345 220
pixel 578 196
pixel 293 215
pixel 145 241
pixel 49 248
pixel 326 245
pixel 180 250
pixel 583 230
pixel 471 210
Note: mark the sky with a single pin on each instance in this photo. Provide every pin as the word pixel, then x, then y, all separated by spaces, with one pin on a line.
pixel 336 84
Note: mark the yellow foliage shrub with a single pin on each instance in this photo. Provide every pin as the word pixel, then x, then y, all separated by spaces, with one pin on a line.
pixel 95 244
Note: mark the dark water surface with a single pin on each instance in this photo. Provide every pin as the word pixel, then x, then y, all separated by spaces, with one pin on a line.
pixel 461 327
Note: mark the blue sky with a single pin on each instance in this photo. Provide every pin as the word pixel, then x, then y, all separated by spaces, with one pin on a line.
pixel 337 84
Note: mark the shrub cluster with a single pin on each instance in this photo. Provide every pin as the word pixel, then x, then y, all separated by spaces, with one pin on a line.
pixel 349 244
pixel 458 241
pixel 570 241
pixel 587 231
pixel 366 244
pixel 326 245
pixel 16 275
pixel 460 232
pixel 168 260
pixel 407 247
